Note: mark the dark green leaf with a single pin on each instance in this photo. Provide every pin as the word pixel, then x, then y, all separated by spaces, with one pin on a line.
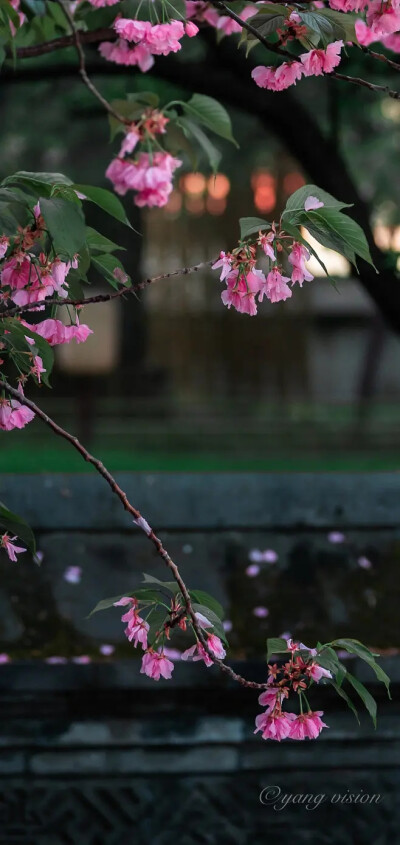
pixel 191 129
pixel 105 200
pixel 98 243
pixel 365 696
pixel 346 698
pixel 346 229
pixel 110 267
pixel 296 201
pixel 276 645
pixel 65 224
pixel 218 628
pixel 105 604
pixel 251 225
pixel 165 586
pixel 210 113
pixel 209 601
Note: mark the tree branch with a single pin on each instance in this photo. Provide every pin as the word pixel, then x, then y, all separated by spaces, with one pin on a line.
pixel 106 297
pixel 82 67
pixel 139 520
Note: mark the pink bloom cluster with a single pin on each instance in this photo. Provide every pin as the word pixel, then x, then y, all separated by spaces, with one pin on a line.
pixel 56 333
pixel 136 627
pixel 29 279
pixel 7 543
pixel 383 18
pixel 204 12
pixel 150 40
pixel 244 282
pixel 313 63
pixel 293 677
pixel 13 414
pixel 198 652
pixel 150 175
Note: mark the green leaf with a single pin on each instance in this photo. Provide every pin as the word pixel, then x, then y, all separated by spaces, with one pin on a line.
pixel 65 224
pixel 208 601
pixel 325 29
pixel 165 586
pixel 344 22
pixel 276 645
pixel 365 696
pixel 107 265
pixel 156 619
pixel 322 233
pixel 267 20
pixel 98 243
pixel 251 225
pixel 210 113
pixel 14 525
pixel 19 347
pixel 191 129
pixel 212 617
pixel 346 229
pixel 105 200
pixel 40 184
pixel 105 604
pixel 355 647
pixel 296 201
pixel 346 698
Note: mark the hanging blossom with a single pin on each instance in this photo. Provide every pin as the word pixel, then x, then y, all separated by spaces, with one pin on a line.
pixel 13 414
pixel 292 679
pixel 55 332
pixel 148 174
pixel 313 63
pixel 383 18
pixel 246 285
pixel 150 40
pixel 7 543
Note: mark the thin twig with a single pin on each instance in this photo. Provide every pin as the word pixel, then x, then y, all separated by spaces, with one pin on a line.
pixel 380 57
pixel 143 524
pixel 82 67
pixel 105 297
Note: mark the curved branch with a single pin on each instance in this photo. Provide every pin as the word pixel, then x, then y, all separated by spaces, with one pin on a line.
pixel 139 520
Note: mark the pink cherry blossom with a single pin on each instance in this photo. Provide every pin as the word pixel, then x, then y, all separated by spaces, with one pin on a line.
pixel 5 415
pixel 336 537
pixel 348 5
pixel 215 645
pixel 253 570
pixel 4 244
pixel 202 621
pixel 156 665
pixel 130 141
pixel 242 290
pixel 4 658
pixel 364 563
pixel 160 39
pixel 14 415
pixel 202 12
pixel 277 78
pixel 317 672
pixel 265 242
pixel 106 649
pixel 229 26
pixel 137 630
pixel 7 543
pixel 317 62
pixel 225 262
pixel 269 697
pixel 122 54
pixel 37 369
pixel 276 288
pixel 307 725
pixel 260 612
pixel 312 203
pixel 150 176
pixel 297 258
pixel 16 272
pixel 197 652
pixel 98 4
pixel 191 29
pixel 73 574
pixel 383 19
pixel 276 727
pixel 364 35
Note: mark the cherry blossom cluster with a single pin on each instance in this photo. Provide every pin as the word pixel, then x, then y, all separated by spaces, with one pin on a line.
pixel 155 662
pixel 149 174
pixel 150 40
pixel 244 282
pixel 292 679
pixel 313 63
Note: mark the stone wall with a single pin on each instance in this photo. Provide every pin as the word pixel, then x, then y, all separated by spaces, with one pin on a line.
pixel 96 753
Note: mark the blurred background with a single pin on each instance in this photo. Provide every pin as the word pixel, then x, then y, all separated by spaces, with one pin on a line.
pixel 173 380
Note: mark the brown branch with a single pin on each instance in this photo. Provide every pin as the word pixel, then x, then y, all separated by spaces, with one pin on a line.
pixel 82 67
pixel 93 36
pixel 380 57
pixel 105 297
pixel 139 520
